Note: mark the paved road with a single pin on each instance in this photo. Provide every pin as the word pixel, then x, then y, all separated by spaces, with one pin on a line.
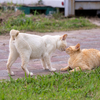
pixel 87 39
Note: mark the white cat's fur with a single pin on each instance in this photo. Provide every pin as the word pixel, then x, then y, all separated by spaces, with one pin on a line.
pixel 29 46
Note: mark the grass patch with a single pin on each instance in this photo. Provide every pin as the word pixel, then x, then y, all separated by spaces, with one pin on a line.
pixel 72 86
pixel 40 23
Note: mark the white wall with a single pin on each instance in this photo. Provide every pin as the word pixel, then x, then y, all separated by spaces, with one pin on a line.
pixel 20 1
pixel 53 3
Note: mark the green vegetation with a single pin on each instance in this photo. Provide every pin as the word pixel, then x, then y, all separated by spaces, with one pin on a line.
pixel 41 23
pixel 67 86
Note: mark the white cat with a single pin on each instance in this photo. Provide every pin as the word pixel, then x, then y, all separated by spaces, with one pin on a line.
pixel 29 46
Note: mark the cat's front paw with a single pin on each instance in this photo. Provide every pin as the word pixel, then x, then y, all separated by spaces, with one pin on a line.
pixel 52 69
pixel 46 68
pixel 62 69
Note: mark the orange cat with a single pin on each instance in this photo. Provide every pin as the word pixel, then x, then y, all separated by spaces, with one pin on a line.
pixel 85 59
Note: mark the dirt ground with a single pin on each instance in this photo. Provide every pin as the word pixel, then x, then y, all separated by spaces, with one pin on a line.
pixel 95 20
pixel 87 39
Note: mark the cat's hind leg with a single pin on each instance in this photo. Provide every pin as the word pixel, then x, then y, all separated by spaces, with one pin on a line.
pixel 85 67
pixel 64 69
pixel 13 55
pixel 25 57
pixel 75 69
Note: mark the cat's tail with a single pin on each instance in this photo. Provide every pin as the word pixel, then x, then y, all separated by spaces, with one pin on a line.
pixel 14 33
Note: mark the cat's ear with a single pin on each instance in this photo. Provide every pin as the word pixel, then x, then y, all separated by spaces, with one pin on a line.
pixel 77 47
pixel 64 37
